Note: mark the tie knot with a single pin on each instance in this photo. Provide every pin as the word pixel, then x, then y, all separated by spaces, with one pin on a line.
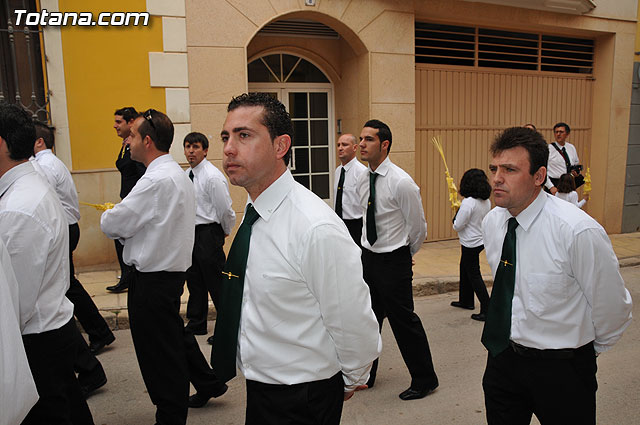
pixel 513 223
pixel 251 215
pixel 373 177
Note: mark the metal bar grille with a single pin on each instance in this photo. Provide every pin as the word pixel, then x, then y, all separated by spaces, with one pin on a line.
pixel 21 62
pixel 492 48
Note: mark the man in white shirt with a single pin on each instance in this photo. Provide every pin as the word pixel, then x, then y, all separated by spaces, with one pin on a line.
pixel 91 373
pixel 563 157
pixel 564 303
pixel 34 229
pixel 394 229
pixel 156 223
pixel 306 336
pixel 215 219
pixel 346 201
pixel 130 173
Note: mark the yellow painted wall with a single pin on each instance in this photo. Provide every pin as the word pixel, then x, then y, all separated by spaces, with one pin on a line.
pixel 106 68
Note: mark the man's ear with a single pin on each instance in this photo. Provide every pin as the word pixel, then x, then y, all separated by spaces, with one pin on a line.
pixel 385 145
pixel 540 176
pixel 282 144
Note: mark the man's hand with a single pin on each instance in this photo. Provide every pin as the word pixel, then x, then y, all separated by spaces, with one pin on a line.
pixel 553 190
pixel 349 394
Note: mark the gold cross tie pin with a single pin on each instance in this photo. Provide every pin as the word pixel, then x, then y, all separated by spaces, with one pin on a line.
pixel 504 262
pixel 229 275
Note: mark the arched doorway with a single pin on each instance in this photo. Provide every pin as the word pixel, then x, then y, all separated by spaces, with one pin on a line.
pixel 308 95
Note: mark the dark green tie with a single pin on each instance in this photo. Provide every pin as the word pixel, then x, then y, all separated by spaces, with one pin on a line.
pixel 225 336
pixel 497 328
pixel 372 234
pixel 339 194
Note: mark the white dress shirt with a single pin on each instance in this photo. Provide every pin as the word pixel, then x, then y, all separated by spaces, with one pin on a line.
pixel 60 179
pixel 213 202
pixel 568 288
pixel 18 391
pixel 571 197
pixel 156 220
pixel 306 310
pixel 556 165
pixel 468 221
pixel 34 229
pixel 399 215
pixel 351 208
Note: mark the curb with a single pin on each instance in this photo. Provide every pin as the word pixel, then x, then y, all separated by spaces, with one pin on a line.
pixel 118 318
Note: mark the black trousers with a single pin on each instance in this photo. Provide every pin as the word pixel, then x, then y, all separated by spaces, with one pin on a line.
pixel 557 391
pixel 126 271
pixel 205 274
pixel 355 229
pixel 471 279
pixel 389 278
pixel 309 403
pixel 50 355
pixel 84 308
pixel 168 356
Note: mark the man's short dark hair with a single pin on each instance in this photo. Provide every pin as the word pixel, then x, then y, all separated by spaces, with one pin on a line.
pixel 275 116
pixel 562 124
pixel 158 127
pixel 128 113
pixel 384 132
pixel 46 132
pixel 196 137
pixel 526 138
pixel 17 130
pixel 475 184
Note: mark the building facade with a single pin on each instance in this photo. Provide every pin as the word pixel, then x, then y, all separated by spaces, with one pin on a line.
pixel 462 70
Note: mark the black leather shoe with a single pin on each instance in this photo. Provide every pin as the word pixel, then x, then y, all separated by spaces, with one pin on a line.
pixel 460 305
pixel 411 394
pixel 121 286
pixel 480 317
pixel 96 382
pixel 210 340
pixel 200 399
pixel 96 346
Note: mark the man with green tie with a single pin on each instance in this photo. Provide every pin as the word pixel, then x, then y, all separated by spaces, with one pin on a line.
pixel 393 231
pixel 558 299
pixel 295 313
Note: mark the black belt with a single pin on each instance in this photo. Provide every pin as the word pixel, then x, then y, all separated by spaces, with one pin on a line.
pixel 563 353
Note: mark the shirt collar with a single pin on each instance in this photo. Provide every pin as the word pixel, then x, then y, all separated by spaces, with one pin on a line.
pixel 349 164
pixel 198 168
pixel 271 198
pixel 14 174
pixel 383 168
pixel 529 214
pixel 43 152
pixel 159 161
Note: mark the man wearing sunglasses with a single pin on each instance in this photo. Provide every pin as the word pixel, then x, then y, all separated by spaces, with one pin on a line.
pixel 156 223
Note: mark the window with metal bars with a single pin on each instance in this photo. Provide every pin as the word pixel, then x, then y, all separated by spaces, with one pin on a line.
pixel 492 48
pixel 21 61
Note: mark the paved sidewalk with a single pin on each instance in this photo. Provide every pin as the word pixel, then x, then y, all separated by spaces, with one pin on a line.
pixel 435 272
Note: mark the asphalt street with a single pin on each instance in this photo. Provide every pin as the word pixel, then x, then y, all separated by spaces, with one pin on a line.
pixel 459 359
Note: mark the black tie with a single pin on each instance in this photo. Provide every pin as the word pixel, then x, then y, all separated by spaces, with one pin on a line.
pixel 497 328
pixel 225 336
pixel 191 174
pixel 339 194
pixel 567 161
pixel 372 235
